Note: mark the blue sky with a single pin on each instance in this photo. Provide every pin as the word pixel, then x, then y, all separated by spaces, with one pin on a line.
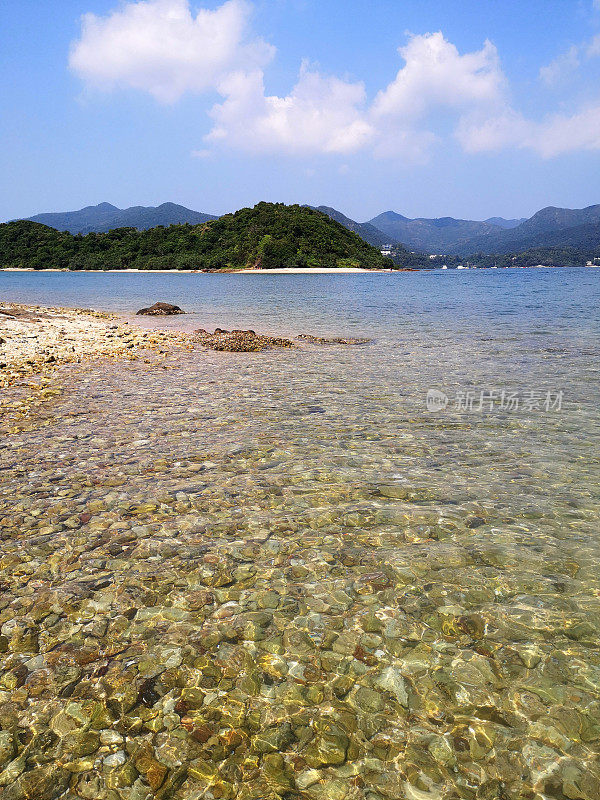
pixel 468 108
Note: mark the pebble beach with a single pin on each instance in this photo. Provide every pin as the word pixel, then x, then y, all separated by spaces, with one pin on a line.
pixel 35 340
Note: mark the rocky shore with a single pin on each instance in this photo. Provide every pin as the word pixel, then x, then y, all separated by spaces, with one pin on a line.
pixel 238 341
pixel 35 340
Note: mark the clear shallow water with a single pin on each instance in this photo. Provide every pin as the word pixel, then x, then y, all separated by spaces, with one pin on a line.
pixel 531 301
pixel 277 574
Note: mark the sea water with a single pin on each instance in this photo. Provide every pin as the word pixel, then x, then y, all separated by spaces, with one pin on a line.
pixel 285 574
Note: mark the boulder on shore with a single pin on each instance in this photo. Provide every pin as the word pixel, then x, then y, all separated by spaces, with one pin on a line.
pixel 160 309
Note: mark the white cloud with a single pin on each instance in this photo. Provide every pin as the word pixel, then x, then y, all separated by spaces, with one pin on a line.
pixel 329 115
pixel 160 47
pixel 163 48
pixel 320 115
pixel 593 48
pixel 488 122
pixel 479 133
pixel 436 75
pixel 562 66
pixel 562 134
pixel 554 136
pixel 569 62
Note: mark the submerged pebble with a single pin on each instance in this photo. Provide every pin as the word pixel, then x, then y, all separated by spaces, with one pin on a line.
pixel 209 591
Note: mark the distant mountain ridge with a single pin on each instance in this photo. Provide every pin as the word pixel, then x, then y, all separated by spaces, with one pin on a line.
pixel 105 217
pixel 505 223
pixel 431 235
pixel 365 230
pixel 568 227
pixel 551 226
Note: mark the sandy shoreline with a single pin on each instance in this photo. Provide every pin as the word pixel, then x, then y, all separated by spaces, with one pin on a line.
pixel 282 271
pixel 310 271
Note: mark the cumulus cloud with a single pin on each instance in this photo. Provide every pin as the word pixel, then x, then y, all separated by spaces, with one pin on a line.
pixel 554 136
pixel 320 115
pixel 562 66
pixel 435 74
pixel 164 48
pixel 435 77
pixel 161 47
pixel 329 115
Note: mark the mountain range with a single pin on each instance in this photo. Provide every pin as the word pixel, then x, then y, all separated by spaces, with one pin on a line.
pixel 430 235
pixel 365 230
pixel 105 217
pixel 550 227
pixel 564 227
pixel 561 227
pixel 505 223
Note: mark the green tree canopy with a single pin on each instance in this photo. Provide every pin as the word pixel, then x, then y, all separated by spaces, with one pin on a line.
pixel 268 236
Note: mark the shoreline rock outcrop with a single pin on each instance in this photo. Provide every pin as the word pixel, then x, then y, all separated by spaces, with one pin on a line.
pixel 247 341
pixel 160 310
pixel 238 341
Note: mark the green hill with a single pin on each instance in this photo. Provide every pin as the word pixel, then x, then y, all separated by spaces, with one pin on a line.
pixel 268 236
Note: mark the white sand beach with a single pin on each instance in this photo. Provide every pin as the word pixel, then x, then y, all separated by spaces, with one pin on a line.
pixel 308 271
pixel 281 271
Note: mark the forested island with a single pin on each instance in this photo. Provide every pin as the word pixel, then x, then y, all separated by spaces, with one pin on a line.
pixel 268 236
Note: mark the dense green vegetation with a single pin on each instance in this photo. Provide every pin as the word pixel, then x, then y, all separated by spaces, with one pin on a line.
pixel 550 256
pixel 268 236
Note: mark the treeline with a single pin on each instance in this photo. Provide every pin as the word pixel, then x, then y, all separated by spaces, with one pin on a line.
pixel 548 256
pixel 268 236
